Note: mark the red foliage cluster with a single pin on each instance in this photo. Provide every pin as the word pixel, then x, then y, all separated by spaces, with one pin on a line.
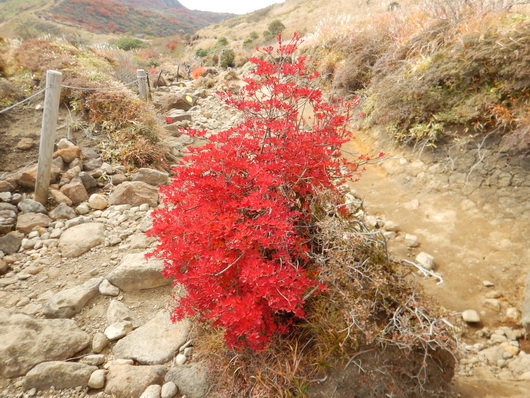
pixel 234 228
pixel 198 72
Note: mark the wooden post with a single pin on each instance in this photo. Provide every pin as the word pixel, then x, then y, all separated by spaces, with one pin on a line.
pixel 142 84
pixel 47 135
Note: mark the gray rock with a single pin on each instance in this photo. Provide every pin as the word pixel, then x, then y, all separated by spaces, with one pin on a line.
pixel 11 242
pixel 31 206
pixel 118 330
pixel 134 193
pixel 5 196
pixel 27 341
pixel 136 273
pixel 62 212
pixel 8 217
pixel 118 312
pixel 492 304
pixel 88 181
pixel 169 390
pixel 471 316
pixel 71 301
pixel 191 379
pixel 153 391
pixel 107 289
pixel 151 176
pixel 154 343
pixel 64 143
pixel 425 260
pixel 99 342
pixel 81 238
pixel 75 190
pixel 92 164
pixel 493 354
pixel 97 379
pixel 126 381
pixel 58 374
pixel 27 221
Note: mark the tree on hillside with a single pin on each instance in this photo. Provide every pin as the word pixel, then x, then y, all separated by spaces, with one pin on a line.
pixel 274 29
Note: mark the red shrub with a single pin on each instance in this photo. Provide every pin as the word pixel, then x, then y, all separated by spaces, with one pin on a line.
pixel 235 225
pixel 198 72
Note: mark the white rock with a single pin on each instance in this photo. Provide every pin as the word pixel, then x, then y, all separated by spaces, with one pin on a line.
pixel 69 302
pixel 411 240
pixel 108 289
pixel 425 260
pixel 118 330
pixel 169 390
pixel 487 284
pixel 181 359
pixel 391 226
pixel 99 342
pixel 153 391
pixel 492 304
pixel 471 316
pixel 98 202
pixel 97 379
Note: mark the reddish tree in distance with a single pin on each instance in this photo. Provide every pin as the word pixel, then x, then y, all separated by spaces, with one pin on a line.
pixel 236 216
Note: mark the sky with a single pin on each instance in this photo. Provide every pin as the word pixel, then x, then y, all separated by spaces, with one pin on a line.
pixel 233 6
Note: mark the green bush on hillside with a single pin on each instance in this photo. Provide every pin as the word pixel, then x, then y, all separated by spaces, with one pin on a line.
pixel 129 43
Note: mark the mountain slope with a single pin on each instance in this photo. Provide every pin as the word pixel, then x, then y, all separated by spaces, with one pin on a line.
pixel 158 18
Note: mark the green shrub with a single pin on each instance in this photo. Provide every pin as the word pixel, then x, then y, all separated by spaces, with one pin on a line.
pixel 227 58
pixel 129 43
pixel 201 52
pixel 222 41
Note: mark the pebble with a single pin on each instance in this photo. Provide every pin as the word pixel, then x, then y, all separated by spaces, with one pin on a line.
pixel 169 390
pixel 97 379
pixel 181 359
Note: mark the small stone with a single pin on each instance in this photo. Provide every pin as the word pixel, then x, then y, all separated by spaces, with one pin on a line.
pixel 153 391
pixel 513 315
pixel 99 342
pixel 425 260
pixel 492 304
pixel 411 240
pixel 108 289
pixel 118 330
pixel 31 206
pixel 25 143
pixel 83 209
pixel 391 226
pixel 94 360
pixel 471 316
pixel 97 379
pixel 169 390
pixel 487 284
pixel 98 202
pixel 181 359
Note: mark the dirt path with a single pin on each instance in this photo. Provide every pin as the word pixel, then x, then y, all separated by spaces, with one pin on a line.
pixel 470 244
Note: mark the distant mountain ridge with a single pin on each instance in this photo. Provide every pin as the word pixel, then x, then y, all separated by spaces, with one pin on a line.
pixel 157 18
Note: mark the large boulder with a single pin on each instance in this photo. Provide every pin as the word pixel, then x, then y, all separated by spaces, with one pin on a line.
pixel 134 193
pixel 154 343
pixel 71 301
pixel 26 341
pixel 28 176
pixel 151 176
pixel 10 243
pixel 75 191
pixel 177 101
pixel 58 374
pixel 81 238
pixel 28 221
pixel 137 273
pixel 127 381
pixel 191 379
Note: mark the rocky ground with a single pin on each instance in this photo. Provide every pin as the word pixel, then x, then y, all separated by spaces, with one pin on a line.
pixel 84 314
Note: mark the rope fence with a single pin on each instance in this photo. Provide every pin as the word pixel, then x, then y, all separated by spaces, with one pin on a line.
pixel 100 88
pixel 23 101
pixel 49 121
